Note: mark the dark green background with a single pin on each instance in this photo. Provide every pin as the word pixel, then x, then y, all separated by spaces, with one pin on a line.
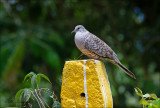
pixel 35 36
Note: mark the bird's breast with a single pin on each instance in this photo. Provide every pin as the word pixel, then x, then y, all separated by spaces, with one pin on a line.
pixel 80 40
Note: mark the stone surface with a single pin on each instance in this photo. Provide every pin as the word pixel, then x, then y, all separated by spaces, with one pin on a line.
pixel 85 84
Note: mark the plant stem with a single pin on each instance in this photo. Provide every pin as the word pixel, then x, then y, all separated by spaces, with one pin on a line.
pixel 39 98
pixel 42 98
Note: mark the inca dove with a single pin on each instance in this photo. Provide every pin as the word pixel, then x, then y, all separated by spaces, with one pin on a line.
pixel 95 48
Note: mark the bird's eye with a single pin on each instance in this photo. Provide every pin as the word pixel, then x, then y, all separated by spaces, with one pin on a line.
pixel 78 28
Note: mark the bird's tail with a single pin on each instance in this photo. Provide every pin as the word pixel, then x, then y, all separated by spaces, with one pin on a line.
pixel 126 70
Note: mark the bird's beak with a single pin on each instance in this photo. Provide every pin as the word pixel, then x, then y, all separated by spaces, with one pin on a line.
pixel 73 32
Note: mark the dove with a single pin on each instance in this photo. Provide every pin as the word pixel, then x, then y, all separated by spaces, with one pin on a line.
pixel 95 48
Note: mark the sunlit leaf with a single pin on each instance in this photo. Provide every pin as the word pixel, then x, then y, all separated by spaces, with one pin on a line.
pixel 146 95
pixel 144 102
pixel 156 103
pixel 52 96
pixel 150 101
pixel 138 91
pixel 150 105
pixel 153 96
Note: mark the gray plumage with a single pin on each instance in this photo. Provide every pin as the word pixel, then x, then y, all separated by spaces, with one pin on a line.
pixel 95 48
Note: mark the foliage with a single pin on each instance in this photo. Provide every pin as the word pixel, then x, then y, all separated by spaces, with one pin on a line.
pixel 148 100
pixel 34 93
pixel 35 36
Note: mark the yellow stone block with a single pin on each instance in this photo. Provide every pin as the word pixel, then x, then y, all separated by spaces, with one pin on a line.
pixel 85 84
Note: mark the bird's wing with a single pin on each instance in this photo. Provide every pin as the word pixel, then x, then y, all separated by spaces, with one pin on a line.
pixel 99 47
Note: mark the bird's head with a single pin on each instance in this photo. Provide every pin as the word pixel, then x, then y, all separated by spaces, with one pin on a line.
pixel 79 28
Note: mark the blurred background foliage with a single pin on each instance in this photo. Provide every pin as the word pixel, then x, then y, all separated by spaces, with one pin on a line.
pixel 35 36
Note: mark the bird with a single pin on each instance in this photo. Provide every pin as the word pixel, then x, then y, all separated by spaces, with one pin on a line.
pixel 95 48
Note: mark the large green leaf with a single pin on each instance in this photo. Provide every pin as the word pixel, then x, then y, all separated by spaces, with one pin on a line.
pixel 56 38
pixel 18 97
pixel 155 104
pixel 18 94
pixel 43 50
pixel 6 46
pixel 14 64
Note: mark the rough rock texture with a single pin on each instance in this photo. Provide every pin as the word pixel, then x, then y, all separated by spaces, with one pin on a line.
pixel 85 84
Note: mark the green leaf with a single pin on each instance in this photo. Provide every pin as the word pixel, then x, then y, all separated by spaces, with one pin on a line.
pixel 41 49
pixel 30 89
pixel 14 63
pixel 18 97
pixel 27 94
pixel 44 76
pixel 52 58
pixel 150 105
pixel 144 102
pixel 153 96
pixel 56 38
pixel 138 91
pixel 29 75
pixel 52 96
pixel 34 81
pixel 156 103
pixel 38 79
pixel 31 93
pixel 150 101
pixel 5 46
pixel 18 94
